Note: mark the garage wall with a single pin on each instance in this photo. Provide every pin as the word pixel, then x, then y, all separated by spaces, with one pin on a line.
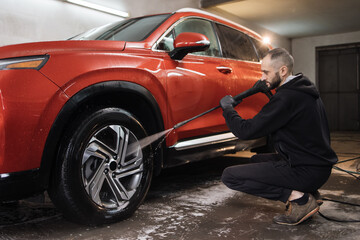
pixel 143 7
pixel 303 50
pixel 37 20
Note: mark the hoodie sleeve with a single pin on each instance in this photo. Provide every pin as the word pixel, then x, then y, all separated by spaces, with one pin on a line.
pixel 272 116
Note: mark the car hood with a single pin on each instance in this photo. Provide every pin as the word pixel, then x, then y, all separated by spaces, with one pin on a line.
pixel 41 48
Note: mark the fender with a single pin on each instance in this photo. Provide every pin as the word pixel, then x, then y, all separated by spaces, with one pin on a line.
pixel 141 77
pixel 86 69
pixel 70 108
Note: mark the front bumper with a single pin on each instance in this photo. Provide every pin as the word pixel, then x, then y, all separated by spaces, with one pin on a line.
pixel 18 185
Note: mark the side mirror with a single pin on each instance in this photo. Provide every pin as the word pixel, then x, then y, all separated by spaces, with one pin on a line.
pixel 188 42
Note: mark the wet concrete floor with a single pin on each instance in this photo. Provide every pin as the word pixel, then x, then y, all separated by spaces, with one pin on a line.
pixel 190 202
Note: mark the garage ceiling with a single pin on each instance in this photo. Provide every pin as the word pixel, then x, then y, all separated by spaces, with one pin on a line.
pixel 295 18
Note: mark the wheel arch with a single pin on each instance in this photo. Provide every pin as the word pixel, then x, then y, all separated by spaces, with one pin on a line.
pixel 139 101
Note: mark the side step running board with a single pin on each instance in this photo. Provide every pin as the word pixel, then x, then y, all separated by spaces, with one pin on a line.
pixel 199 142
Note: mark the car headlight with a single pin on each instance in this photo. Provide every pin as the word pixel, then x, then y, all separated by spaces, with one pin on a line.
pixel 32 62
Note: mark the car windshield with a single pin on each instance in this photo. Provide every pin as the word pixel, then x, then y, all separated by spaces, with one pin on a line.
pixel 132 30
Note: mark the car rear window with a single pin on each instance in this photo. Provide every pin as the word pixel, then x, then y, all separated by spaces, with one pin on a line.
pixel 236 44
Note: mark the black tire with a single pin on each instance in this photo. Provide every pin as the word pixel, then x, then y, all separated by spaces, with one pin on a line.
pixel 96 180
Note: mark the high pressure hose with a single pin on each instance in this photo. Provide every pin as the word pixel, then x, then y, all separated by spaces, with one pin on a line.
pixel 259 86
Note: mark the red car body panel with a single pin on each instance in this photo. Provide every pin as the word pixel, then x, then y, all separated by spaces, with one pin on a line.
pixel 30 100
pixel 23 103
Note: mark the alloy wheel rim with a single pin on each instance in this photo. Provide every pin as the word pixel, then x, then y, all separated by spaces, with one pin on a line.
pixel 112 166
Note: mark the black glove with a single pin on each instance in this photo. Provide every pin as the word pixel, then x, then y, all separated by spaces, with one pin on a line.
pixel 228 102
pixel 261 86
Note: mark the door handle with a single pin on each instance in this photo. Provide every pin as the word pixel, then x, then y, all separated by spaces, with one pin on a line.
pixel 224 70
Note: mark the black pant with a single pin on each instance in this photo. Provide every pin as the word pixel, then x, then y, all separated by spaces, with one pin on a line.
pixel 273 178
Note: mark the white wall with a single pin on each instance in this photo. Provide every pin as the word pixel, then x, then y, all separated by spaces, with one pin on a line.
pixel 39 20
pixel 303 50
pixel 143 7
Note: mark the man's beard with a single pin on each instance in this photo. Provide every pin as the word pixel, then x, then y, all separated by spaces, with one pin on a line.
pixel 276 81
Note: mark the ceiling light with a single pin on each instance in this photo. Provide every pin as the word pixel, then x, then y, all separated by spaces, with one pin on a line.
pixel 99 8
pixel 266 40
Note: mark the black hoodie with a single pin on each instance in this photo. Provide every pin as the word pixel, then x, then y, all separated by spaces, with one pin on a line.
pixel 295 117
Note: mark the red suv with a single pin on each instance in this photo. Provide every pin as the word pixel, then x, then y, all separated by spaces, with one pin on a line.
pixel 72 112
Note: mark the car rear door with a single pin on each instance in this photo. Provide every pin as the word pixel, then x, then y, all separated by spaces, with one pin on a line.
pixel 240 52
pixel 197 82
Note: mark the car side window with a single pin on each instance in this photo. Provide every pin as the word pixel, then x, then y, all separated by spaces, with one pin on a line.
pixel 167 43
pixel 235 44
pixel 193 25
pixel 261 48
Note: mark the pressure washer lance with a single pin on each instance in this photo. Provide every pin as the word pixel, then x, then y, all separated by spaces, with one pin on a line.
pixel 259 86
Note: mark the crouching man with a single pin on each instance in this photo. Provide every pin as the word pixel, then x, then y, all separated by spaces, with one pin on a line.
pixel 296 120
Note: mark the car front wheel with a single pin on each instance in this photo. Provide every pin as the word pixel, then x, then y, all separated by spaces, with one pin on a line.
pixel 102 174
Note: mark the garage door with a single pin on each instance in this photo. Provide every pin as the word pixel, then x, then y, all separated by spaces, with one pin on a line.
pixel 338 82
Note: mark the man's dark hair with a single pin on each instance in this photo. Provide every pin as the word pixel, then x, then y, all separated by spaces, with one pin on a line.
pixel 281 57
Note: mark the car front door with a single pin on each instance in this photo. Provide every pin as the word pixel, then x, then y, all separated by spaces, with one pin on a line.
pixel 196 83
